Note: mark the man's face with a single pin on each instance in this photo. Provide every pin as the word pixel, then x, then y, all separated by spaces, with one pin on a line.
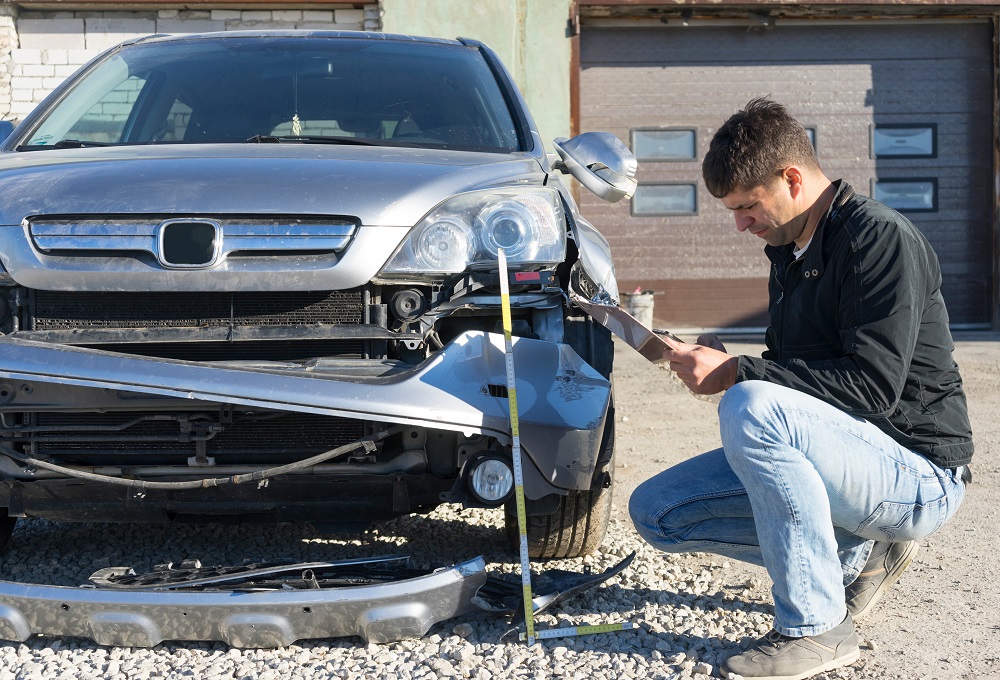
pixel 768 212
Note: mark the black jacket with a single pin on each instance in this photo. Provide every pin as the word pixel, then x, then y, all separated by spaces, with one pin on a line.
pixel 859 322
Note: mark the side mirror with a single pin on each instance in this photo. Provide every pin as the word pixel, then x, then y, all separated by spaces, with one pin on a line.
pixel 6 128
pixel 600 162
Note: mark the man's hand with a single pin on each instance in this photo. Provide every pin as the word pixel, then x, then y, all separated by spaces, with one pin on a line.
pixel 704 369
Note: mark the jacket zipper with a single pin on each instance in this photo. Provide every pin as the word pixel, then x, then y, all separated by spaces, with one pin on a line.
pixel 781 278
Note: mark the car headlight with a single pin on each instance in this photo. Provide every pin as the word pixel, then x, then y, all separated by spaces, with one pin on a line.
pixel 443 246
pixel 465 232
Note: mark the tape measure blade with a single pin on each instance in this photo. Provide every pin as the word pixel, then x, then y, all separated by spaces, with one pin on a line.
pixel 576 631
pixel 522 516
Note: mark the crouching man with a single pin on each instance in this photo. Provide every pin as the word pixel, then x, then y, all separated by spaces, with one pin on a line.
pixel 849 439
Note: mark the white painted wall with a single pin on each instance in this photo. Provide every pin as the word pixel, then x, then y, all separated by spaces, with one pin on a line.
pixel 39 49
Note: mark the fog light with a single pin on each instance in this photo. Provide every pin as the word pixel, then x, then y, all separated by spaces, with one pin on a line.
pixel 491 480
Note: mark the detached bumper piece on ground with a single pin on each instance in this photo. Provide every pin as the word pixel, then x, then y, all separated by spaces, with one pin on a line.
pixel 259 605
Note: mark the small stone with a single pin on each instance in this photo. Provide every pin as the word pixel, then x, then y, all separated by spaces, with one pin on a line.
pixel 703 668
pixel 464 653
pixel 463 630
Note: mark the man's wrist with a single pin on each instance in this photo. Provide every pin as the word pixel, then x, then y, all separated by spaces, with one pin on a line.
pixel 731 369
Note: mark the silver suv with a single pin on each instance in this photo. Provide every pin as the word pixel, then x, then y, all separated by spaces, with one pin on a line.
pixel 253 277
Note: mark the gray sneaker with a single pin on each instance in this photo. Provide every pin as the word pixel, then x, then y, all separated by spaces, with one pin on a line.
pixel 884 566
pixel 779 657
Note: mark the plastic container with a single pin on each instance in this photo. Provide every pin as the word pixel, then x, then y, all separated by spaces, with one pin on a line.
pixel 640 305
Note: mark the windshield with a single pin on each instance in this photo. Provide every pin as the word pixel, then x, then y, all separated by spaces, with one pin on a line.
pixel 284 89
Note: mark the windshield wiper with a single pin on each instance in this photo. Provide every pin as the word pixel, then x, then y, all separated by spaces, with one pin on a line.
pixel 79 144
pixel 312 139
pixel 64 144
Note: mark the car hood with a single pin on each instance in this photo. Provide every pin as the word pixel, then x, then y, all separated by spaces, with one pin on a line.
pixel 380 186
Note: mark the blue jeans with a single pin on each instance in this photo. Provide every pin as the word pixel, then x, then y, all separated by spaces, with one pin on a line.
pixel 800 488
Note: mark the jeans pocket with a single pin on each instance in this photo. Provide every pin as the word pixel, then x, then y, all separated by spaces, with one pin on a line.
pixel 903 521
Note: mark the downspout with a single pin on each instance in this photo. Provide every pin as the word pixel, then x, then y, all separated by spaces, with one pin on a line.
pixel 994 293
pixel 520 46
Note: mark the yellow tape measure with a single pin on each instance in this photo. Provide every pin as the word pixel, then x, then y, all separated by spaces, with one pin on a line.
pixel 573 631
pixel 522 516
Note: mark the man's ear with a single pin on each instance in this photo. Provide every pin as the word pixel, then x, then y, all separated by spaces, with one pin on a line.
pixel 792 178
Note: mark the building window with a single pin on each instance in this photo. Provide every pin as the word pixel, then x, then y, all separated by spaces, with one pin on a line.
pixel 665 199
pixel 664 144
pixel 908 195
pixel 904 141
pixel 811 134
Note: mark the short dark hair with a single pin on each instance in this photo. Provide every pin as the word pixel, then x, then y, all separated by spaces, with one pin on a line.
pixel 753 145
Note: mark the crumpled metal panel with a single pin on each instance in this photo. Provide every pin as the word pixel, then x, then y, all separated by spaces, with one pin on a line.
pixel 563 401
pixel 143 618
pixel 649 343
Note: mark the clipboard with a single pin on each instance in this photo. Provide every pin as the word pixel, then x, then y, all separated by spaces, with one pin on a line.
pixel 651 344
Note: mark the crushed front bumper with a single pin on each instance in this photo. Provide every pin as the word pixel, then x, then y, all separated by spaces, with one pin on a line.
pixel 273 605
pixel 562 400
pixel 143 618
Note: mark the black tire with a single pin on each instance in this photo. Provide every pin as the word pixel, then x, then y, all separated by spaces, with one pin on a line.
pixel 575 524
pixel 580 520
pixel 6 528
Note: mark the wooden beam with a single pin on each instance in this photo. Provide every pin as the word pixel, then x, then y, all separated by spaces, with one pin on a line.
pixel 124 5
pixel 765 4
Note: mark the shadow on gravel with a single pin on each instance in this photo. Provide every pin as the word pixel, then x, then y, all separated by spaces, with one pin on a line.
pixel 64 553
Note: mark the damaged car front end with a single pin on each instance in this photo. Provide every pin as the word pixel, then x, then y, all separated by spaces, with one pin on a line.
pixel 456 395
pixel 252 277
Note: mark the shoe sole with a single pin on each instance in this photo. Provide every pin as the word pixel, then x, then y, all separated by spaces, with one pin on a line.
pixel 890 578
pixel 828 666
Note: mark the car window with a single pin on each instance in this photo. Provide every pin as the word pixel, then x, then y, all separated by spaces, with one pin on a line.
pixel 105 120
pixel 176 123
pixel 229 90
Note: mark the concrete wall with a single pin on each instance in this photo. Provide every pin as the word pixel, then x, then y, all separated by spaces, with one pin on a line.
pixel 529 35
pixel 39 49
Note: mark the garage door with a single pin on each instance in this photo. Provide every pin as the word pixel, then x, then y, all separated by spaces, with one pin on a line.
pixel 901 111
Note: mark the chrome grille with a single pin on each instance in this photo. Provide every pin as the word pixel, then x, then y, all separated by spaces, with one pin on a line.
pixel 272 235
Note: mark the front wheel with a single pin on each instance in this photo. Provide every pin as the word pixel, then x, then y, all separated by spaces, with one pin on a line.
pixel 579 522
pixel 576 528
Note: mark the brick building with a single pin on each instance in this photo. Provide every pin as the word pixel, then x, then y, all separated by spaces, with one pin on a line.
pixel 900 96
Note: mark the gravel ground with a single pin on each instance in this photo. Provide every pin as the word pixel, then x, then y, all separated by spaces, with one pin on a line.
pixel 940 621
